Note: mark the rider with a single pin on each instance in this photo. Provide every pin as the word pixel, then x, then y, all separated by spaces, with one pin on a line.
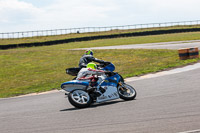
pixel 87 58
pixel 89 73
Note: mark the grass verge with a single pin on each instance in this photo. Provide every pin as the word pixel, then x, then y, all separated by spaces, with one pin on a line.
pixel 28 70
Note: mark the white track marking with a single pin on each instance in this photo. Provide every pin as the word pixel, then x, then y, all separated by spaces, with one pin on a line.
pixel 163 73
pixel 192 131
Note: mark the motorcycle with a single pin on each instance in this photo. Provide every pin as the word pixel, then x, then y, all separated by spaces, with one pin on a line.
pixel 81 94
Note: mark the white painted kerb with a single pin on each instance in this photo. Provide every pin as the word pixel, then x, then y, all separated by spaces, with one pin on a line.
pixel 174 71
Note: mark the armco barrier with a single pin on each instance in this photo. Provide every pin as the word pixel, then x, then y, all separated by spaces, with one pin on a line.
pixel 144 33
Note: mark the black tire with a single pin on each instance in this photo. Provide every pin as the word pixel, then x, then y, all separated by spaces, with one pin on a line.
pixel 78 99
pixel 123 94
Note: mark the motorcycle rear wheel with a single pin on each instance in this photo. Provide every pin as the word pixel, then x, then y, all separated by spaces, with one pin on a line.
pixel 126 92
pixel 79 99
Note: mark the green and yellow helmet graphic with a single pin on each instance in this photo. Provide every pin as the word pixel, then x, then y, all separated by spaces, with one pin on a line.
pixel 89 52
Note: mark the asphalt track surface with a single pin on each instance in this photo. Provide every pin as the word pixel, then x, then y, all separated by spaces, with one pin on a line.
pixel 168 103
pixel 162 45
pixel 164 104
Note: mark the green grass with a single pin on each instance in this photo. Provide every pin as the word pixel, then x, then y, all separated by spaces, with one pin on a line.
pixel 60 37
pixel 38 69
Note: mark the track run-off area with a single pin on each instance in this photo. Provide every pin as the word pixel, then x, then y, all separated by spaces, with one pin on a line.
pixel 166 102
pixel 162 45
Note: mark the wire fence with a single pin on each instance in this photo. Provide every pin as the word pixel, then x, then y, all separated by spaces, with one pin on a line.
pixel 39 33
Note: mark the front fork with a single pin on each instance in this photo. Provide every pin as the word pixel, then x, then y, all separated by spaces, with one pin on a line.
pixel 123 88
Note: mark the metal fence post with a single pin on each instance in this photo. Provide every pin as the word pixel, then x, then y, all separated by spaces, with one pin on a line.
pixel 10 35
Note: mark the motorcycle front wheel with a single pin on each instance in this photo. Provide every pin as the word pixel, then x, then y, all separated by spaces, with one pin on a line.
pixel 79 98
pixel 126 92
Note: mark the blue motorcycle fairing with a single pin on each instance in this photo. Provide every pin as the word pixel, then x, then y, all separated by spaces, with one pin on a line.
pixel 111 81
pixel 75 82
pixel 110 67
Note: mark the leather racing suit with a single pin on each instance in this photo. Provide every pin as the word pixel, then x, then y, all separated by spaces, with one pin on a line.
pixel 85 73
pixel 88 75
pixel 85 59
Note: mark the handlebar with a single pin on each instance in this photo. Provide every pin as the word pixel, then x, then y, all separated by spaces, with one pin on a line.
pixel 103 64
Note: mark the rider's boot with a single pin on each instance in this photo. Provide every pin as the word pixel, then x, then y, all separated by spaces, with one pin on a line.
pixel 102 90
pixel 99 92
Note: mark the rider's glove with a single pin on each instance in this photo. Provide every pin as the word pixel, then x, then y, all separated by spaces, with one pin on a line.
pixel 106 62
